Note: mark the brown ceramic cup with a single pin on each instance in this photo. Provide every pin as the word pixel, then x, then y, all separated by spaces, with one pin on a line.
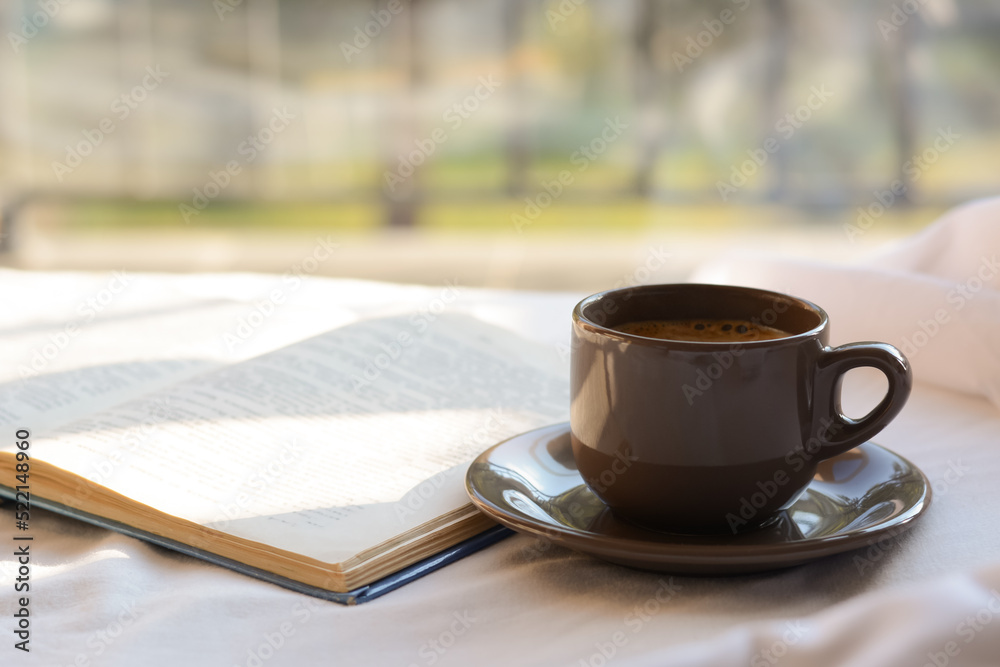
pixel 695 437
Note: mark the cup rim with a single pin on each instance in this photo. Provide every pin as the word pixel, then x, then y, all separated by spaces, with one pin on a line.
pixel 580 320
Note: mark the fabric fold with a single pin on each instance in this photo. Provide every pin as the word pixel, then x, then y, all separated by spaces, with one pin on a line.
pixel 935 296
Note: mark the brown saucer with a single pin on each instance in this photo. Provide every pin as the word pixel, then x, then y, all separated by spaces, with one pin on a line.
pixel 530 484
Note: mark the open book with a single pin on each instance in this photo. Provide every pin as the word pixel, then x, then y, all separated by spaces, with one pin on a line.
pixel 324 466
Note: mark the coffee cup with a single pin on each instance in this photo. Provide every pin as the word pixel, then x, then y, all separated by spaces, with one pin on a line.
pixel 707 408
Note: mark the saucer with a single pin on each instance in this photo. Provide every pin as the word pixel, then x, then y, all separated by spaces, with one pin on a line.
pixel 530 484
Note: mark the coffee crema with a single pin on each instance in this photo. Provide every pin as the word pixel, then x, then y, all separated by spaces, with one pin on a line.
pixel 702 330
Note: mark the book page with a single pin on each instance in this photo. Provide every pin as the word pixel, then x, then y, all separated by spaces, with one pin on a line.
pixel 328 446
pixel 73 344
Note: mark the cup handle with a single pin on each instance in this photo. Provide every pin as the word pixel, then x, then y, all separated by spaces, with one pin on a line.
pixel 836 431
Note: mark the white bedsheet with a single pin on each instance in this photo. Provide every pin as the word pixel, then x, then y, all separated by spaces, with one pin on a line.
pixel 929 596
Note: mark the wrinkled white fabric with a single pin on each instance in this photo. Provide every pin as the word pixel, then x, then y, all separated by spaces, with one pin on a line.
pixel 936 296
pixel 99 598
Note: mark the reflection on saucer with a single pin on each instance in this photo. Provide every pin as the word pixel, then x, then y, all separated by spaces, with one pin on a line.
pixel 530 484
